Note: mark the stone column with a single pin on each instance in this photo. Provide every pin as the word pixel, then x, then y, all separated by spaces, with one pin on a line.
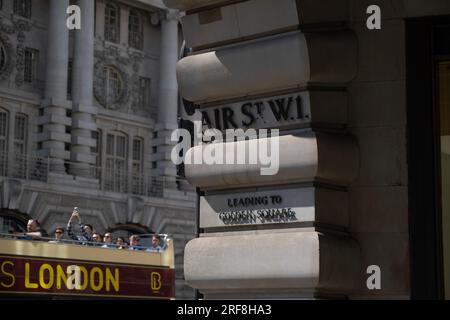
pixel 83 111
pixel 55 104
pixel 168 95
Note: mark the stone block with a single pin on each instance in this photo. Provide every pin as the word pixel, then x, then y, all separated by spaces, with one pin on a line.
pixel 238 21
pixel 81 124
pixel 77 140
pixel 379 209
pixel 376 63
pixel 53 118
pixel 367 107
pixel 389 251
pixel 382 152
pixel 298 60
pixel 302 157
pixel 296 262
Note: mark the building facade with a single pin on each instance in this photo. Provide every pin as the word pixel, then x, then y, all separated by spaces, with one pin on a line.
pixel 85 116
pixel 359 91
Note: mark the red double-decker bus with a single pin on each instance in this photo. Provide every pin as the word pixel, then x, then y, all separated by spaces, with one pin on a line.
pixel 51 270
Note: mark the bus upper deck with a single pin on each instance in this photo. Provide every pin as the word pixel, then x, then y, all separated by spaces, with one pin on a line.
pixel 30 268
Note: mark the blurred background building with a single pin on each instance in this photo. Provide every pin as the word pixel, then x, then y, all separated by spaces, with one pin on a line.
pixel 85 118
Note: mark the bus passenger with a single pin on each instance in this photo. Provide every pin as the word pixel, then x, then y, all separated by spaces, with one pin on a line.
pixel 156 244
pixel 86 230
pixel 97 238
pixel 134 243
pixel 59 233
pixel 33 231
pixel 107 240
pixel 120 243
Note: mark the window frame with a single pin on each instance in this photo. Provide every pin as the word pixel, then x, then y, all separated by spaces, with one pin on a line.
pixel 23 8
pixel 112 28
pixel 30 66
pixel 135 30
pixel 116 165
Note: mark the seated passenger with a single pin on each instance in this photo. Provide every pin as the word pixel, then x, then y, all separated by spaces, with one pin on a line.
pixel 156 244
pixel 107 240
pixel 120 243
pixel 59 233
pixel 97 238
pixel 134 243
pixel 86 230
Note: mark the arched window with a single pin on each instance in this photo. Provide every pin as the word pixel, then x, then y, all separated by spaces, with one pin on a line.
pixel 115 176
pixel 135 30
pixel 109 86
pixel 23 8
pixel 11 221
pixel 112 23
pixel 113 84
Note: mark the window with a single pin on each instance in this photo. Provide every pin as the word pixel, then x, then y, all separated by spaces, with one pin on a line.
pixel 135 30
pixel 20 133
pixel 144 92
pixel 69 79
pixel 137 149
pixel 8 224
pixel 23 8
pixel 97 151
pixel 115 177
pixel 113 85
pixel 3 58
pixel 3 142
pixel 20 146
pixel 31 65
pixel 112 23
pixel 137 178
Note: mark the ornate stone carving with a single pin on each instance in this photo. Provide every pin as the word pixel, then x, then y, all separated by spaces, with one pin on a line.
pixel 6 57
pixel 19 26
pixel 171 15
pixel 110 99
pixel 127 66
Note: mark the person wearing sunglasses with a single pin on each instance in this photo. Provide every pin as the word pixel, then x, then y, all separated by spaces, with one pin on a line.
pixel 107 240
pixel 59 233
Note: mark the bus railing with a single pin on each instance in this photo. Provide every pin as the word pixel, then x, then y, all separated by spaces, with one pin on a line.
pixel 164 241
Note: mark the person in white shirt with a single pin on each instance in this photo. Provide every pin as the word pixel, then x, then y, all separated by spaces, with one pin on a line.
pixel 156 244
